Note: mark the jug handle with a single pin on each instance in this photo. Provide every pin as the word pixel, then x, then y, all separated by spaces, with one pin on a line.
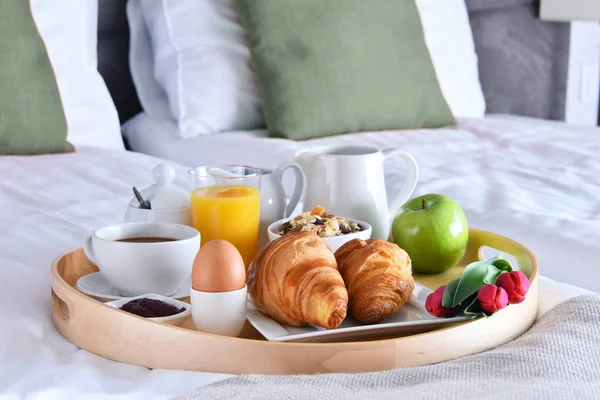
pixel 300 182
pixel 412 178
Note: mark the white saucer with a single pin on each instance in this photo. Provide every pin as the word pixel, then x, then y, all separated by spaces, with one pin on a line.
pixel 96 285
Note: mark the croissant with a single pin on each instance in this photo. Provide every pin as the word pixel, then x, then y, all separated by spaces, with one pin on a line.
pixel 378 277
pixel 295 280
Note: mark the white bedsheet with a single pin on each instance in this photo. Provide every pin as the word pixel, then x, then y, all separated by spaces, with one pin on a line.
pixel 537 183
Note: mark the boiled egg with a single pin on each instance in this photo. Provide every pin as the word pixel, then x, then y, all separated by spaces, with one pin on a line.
pixel 218 267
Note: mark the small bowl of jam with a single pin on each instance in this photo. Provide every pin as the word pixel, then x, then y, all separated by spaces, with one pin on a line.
pixel 155 307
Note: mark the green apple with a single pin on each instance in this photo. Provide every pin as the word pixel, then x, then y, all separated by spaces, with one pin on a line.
pixel 433 230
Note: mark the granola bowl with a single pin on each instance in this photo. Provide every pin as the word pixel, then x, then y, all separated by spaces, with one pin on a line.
pixel 334 242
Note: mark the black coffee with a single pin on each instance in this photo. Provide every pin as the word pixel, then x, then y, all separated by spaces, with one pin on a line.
pixel 147 239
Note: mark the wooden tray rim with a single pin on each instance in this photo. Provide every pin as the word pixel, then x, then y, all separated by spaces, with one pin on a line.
pixel 64 286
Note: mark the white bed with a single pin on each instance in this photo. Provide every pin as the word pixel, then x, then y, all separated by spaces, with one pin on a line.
pixel 535 182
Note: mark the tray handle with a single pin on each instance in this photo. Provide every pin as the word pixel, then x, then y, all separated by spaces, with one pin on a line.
pixel 60 308
pixel 482 239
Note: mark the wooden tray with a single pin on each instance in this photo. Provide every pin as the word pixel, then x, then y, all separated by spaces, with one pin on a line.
pixel 118 335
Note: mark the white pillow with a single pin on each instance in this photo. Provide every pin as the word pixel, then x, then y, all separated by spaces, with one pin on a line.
pixel 141 61
pixel 202 61
pixel 197 51
pixel 68 29
pixel 450 42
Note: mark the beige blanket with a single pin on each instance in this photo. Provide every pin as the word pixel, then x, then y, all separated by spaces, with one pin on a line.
pixel 558 358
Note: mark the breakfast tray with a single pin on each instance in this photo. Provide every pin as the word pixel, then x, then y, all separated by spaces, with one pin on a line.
pixel 118 335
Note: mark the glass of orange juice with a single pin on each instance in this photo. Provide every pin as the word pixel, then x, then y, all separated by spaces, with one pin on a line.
pixel 226 205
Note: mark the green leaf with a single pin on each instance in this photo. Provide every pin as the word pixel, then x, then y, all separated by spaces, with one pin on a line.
pixel 502 264
pixel 476 275
pixel 472 306
pixel 449 292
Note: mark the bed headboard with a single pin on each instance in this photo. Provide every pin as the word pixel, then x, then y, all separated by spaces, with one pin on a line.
pixel 522 60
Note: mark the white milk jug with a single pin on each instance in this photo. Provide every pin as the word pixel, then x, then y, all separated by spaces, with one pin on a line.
pixel 349 181
pixel 273 199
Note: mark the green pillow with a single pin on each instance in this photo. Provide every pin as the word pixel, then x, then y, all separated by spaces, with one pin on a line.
pixel 32 119
pixel 326 67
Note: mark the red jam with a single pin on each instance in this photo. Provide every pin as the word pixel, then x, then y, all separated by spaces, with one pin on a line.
pixel 151 308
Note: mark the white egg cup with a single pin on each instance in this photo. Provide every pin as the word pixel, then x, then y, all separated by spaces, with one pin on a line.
pixel 219 313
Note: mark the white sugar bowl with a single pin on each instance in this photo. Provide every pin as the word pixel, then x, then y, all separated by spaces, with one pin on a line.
pixel 169 203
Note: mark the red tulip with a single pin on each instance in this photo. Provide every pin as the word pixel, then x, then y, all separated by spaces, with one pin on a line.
pixel 516 285
pixel 492 298
pixel 433 304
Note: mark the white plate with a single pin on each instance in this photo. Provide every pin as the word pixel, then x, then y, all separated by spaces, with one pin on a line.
pixel 410 319
pixel 96 285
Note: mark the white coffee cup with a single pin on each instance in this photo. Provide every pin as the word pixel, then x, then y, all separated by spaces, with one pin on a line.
pixel 136 268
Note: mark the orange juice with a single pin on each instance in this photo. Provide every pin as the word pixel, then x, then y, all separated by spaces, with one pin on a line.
pixel 229 213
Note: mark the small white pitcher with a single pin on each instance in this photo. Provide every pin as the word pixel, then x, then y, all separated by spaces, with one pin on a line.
pixel 273 199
